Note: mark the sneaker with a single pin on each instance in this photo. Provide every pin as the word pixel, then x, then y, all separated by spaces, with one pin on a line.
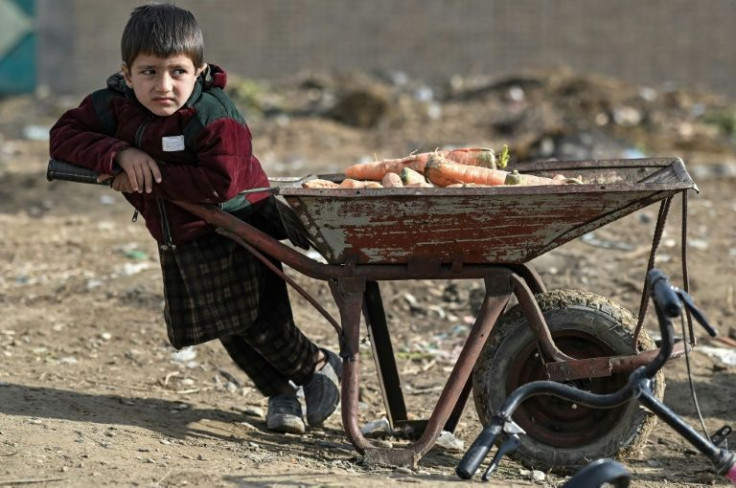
pixel 322 391
pixel 285 414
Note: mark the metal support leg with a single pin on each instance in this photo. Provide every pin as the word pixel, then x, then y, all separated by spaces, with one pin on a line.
pixel 383 353
pixel 498 294
pixel 348 294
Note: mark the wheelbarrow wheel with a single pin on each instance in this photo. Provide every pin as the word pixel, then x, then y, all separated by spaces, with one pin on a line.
pixel 560 434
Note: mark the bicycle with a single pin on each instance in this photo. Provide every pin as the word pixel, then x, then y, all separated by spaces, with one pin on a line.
pixel 669 302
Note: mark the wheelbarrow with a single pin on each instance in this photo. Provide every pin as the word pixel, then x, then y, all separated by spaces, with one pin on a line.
pixel 371 235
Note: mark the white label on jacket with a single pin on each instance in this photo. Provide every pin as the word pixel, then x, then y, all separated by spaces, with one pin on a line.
pixel 172 143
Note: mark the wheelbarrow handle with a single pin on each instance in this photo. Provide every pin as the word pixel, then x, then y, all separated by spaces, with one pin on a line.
pixel 61 170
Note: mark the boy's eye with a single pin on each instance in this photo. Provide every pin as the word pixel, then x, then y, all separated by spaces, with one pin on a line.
pixel 180 71
pixel 148 72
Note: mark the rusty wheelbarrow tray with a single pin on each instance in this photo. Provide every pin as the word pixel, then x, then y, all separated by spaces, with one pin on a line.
pixel 481 233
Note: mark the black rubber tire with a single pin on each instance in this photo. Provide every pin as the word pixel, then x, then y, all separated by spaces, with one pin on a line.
pixel 562 436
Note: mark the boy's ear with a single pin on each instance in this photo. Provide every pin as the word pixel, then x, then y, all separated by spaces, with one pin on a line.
pixel 126 75
pixel 201 69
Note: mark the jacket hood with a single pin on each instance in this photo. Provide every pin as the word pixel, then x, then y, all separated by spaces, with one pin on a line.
pixel 214 76
pixel 116 83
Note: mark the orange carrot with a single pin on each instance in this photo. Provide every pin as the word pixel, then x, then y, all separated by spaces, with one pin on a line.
pixel 443 172
pixel 392 180
pixel 319 183
pixel 467 185
pixel 353 183
pixel 411 177
pixel 516 178
pixel 473 156
pixel 375 170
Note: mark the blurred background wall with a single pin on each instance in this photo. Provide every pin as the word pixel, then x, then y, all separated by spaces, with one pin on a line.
pixel 76 42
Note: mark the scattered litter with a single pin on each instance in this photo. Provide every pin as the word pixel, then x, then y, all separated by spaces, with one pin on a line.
pixel 412 301
pixel 725 355
pixel 252 411
pixel 135 254
pixel 248 426
pixel 130 269
pixel 377 428
pixel 448 441
pixel 312 254
pixel 107 199
pixel 591 239
pixel 92 284
pixel 700 244
pixel 183 355
pixel 35 132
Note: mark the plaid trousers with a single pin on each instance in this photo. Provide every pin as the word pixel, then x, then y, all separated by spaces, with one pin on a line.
pixel 215 289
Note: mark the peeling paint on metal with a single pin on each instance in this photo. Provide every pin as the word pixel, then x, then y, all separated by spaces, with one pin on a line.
pixel 491 226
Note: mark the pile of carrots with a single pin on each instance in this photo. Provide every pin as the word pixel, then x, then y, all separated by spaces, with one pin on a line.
pixel 464 167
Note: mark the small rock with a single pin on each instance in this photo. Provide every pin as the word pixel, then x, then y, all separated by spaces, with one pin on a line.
pixel 449 442
pixel 538 476
pixel 252 411
pixel 248 426
pixel 377 428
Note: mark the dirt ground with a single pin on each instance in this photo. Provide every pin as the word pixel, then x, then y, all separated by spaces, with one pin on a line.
pixel 91 394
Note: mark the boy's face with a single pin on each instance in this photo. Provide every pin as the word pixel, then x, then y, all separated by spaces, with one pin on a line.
pixel 162 85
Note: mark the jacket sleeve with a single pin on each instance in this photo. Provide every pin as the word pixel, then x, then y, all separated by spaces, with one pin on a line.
pixel 225 166
pixel 79 138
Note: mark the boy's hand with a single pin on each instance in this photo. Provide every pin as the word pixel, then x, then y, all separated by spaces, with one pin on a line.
pixel 122 183
pixel 141 170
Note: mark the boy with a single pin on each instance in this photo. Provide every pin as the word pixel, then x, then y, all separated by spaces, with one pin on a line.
pixel 164 130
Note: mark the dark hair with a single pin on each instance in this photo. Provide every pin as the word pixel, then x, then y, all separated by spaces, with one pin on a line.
pixel 162 30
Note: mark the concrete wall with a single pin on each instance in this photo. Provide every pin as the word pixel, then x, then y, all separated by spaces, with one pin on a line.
pixel 646 42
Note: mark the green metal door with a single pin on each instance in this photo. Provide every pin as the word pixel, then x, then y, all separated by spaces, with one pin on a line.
pixel 17 46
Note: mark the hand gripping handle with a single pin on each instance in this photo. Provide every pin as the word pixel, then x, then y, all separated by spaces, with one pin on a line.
pixel 61 170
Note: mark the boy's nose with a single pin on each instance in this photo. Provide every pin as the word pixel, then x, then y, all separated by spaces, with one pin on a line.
pixel 164 83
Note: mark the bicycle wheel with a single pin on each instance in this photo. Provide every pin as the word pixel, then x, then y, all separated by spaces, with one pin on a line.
pixel 561 434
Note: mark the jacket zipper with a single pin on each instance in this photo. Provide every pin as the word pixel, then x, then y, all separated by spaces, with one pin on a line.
pixel 165 228
pixel 168 241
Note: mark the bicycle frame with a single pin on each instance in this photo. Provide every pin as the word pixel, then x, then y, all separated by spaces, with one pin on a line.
pixel 669 302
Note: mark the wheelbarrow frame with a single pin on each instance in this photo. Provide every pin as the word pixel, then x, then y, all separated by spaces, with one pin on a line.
pixel 355 289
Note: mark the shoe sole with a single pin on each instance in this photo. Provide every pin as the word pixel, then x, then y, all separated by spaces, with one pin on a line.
pixel 286 424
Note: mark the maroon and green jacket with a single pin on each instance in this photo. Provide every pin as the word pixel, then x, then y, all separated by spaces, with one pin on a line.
pixel 204 151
